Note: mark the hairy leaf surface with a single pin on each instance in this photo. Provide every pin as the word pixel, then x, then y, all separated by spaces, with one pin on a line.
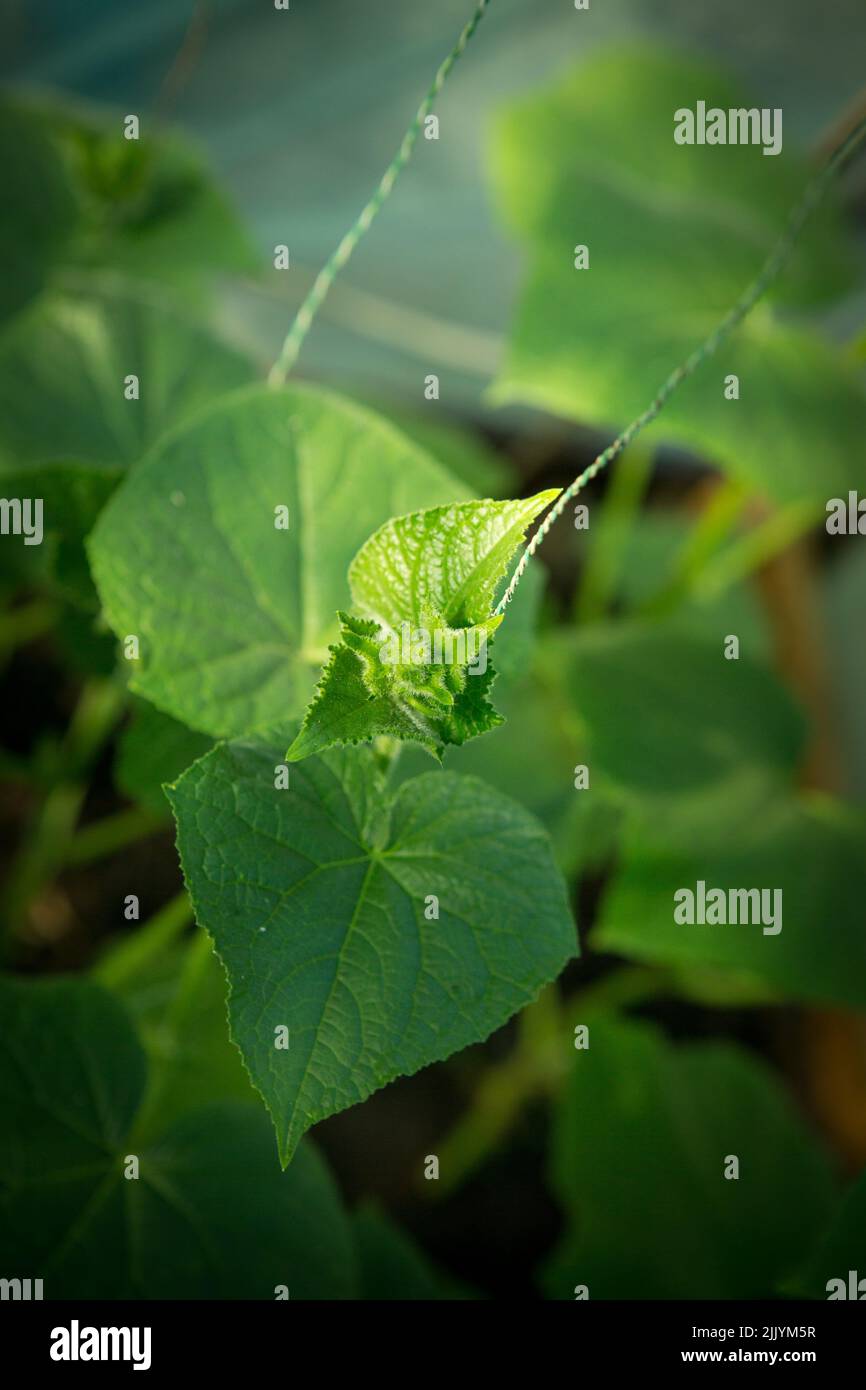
pixel 416 665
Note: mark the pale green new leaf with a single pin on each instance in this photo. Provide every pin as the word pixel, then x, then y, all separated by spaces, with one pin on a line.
pixel 446 561
pixel 361 697
pixel 416 666
pixel 383 932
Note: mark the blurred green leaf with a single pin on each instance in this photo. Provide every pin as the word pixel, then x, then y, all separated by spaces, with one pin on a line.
pixel 39 208
pixel 844 595
pixel 460 449
pixel 67 430
pixel 640 1144
pixel 152 750
pixel 674 234
pixel 62 374
pixel 666 715
pixel 72 496
pixel 210 1214
pixel 178 1005
pixel 650 578
pixel 533 758
pixel 148 207
pixel 813 853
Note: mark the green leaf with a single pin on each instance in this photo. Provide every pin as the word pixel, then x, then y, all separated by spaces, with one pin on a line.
pixel 812 853
pixel 39 212
pixel 844 600
pixel 675 234
pixel 362 695
pixel 177 1002
pixel 67 431
pixel 149 207
pixel 152 750
pixel 321 900
pixel 667 715
pixel 72 496
pixel 641 1140
pixel 416 667
pixel 210 1215
pixel 537 768
pixel 651 577
pixel 445 561
pixel 233 614
pixel 62 372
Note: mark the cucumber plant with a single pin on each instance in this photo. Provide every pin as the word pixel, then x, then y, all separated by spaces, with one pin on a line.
pixel 305 598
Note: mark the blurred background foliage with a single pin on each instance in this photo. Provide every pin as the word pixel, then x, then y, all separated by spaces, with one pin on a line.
pixel 558 1167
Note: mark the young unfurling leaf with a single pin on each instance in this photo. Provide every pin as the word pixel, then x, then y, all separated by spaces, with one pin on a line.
pixel 415 665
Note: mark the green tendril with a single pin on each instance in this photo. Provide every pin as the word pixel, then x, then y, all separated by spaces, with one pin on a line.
pixel 773 265
pixel 327 275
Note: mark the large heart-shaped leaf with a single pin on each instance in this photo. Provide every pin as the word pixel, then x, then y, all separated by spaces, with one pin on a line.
pixel 675 233
pixel 642 1142
pixel 234 613
pixel 382 932
pixel 210 1215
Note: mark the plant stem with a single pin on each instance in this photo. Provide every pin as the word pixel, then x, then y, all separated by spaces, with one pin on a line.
pixel 610 538
pixel 771 268
pixel 757 548
pixel 112 833
pixel 714 525
pixel 532 1068
pixel 122 963
pixel 21 625
pixel 166 1044
pixel 44 849
pixel 537 1067
pixel 324 280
